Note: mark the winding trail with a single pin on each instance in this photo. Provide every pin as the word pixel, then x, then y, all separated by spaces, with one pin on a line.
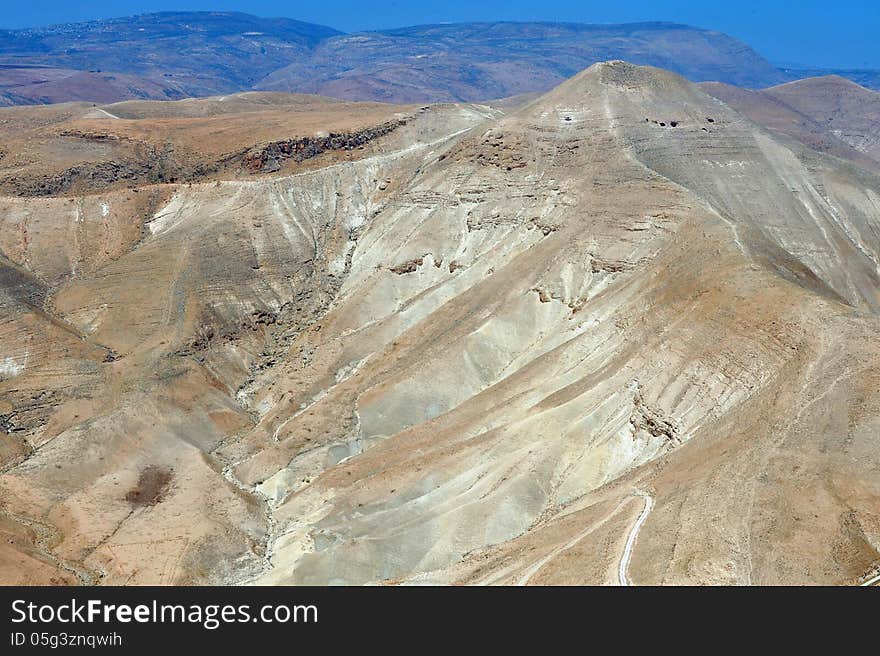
pixel 535 568
pixel 871 581
pixel 623 566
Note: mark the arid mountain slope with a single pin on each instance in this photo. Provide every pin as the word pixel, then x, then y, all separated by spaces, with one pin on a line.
pixel 481 61
pixel 162 56
pixel 166 288
pixel 621 334
pixel 172 55
pixel 175 54
pixel 865 77
pixel 830 114
pixel 35 85
pixel 76 148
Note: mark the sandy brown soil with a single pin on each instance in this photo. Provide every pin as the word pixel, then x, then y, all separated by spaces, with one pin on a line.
pixel 469 352
pixel 79 148
pixel 830 114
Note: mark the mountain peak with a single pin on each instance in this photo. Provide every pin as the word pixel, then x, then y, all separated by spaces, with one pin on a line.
pixel 621 75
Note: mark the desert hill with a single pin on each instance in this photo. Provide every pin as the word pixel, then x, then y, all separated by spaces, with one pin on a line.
pixel 619 334
pixel 830 114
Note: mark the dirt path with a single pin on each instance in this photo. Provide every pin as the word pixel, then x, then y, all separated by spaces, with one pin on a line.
pixel 534 569
pixel 108 114
pixel 631 539
pixel 871 581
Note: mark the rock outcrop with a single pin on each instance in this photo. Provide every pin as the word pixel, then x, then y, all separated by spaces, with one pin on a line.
pixel 425 364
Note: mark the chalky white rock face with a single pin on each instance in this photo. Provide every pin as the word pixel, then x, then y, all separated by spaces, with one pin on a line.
pixel 619 335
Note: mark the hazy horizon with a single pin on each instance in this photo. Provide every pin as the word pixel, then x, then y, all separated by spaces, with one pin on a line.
pixel 813 34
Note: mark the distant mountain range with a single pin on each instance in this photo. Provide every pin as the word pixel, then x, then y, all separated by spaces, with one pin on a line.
pixel 180 54
pixel 493 60
pixel 160 56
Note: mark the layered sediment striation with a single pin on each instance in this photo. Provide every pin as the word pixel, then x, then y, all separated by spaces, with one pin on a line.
pixel 471 354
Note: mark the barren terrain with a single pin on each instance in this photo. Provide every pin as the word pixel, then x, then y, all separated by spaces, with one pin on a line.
pixel 829 114
pixel 172 55
pixel 620 334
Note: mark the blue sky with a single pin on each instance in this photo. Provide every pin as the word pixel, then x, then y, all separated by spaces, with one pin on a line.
pixel 829 33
